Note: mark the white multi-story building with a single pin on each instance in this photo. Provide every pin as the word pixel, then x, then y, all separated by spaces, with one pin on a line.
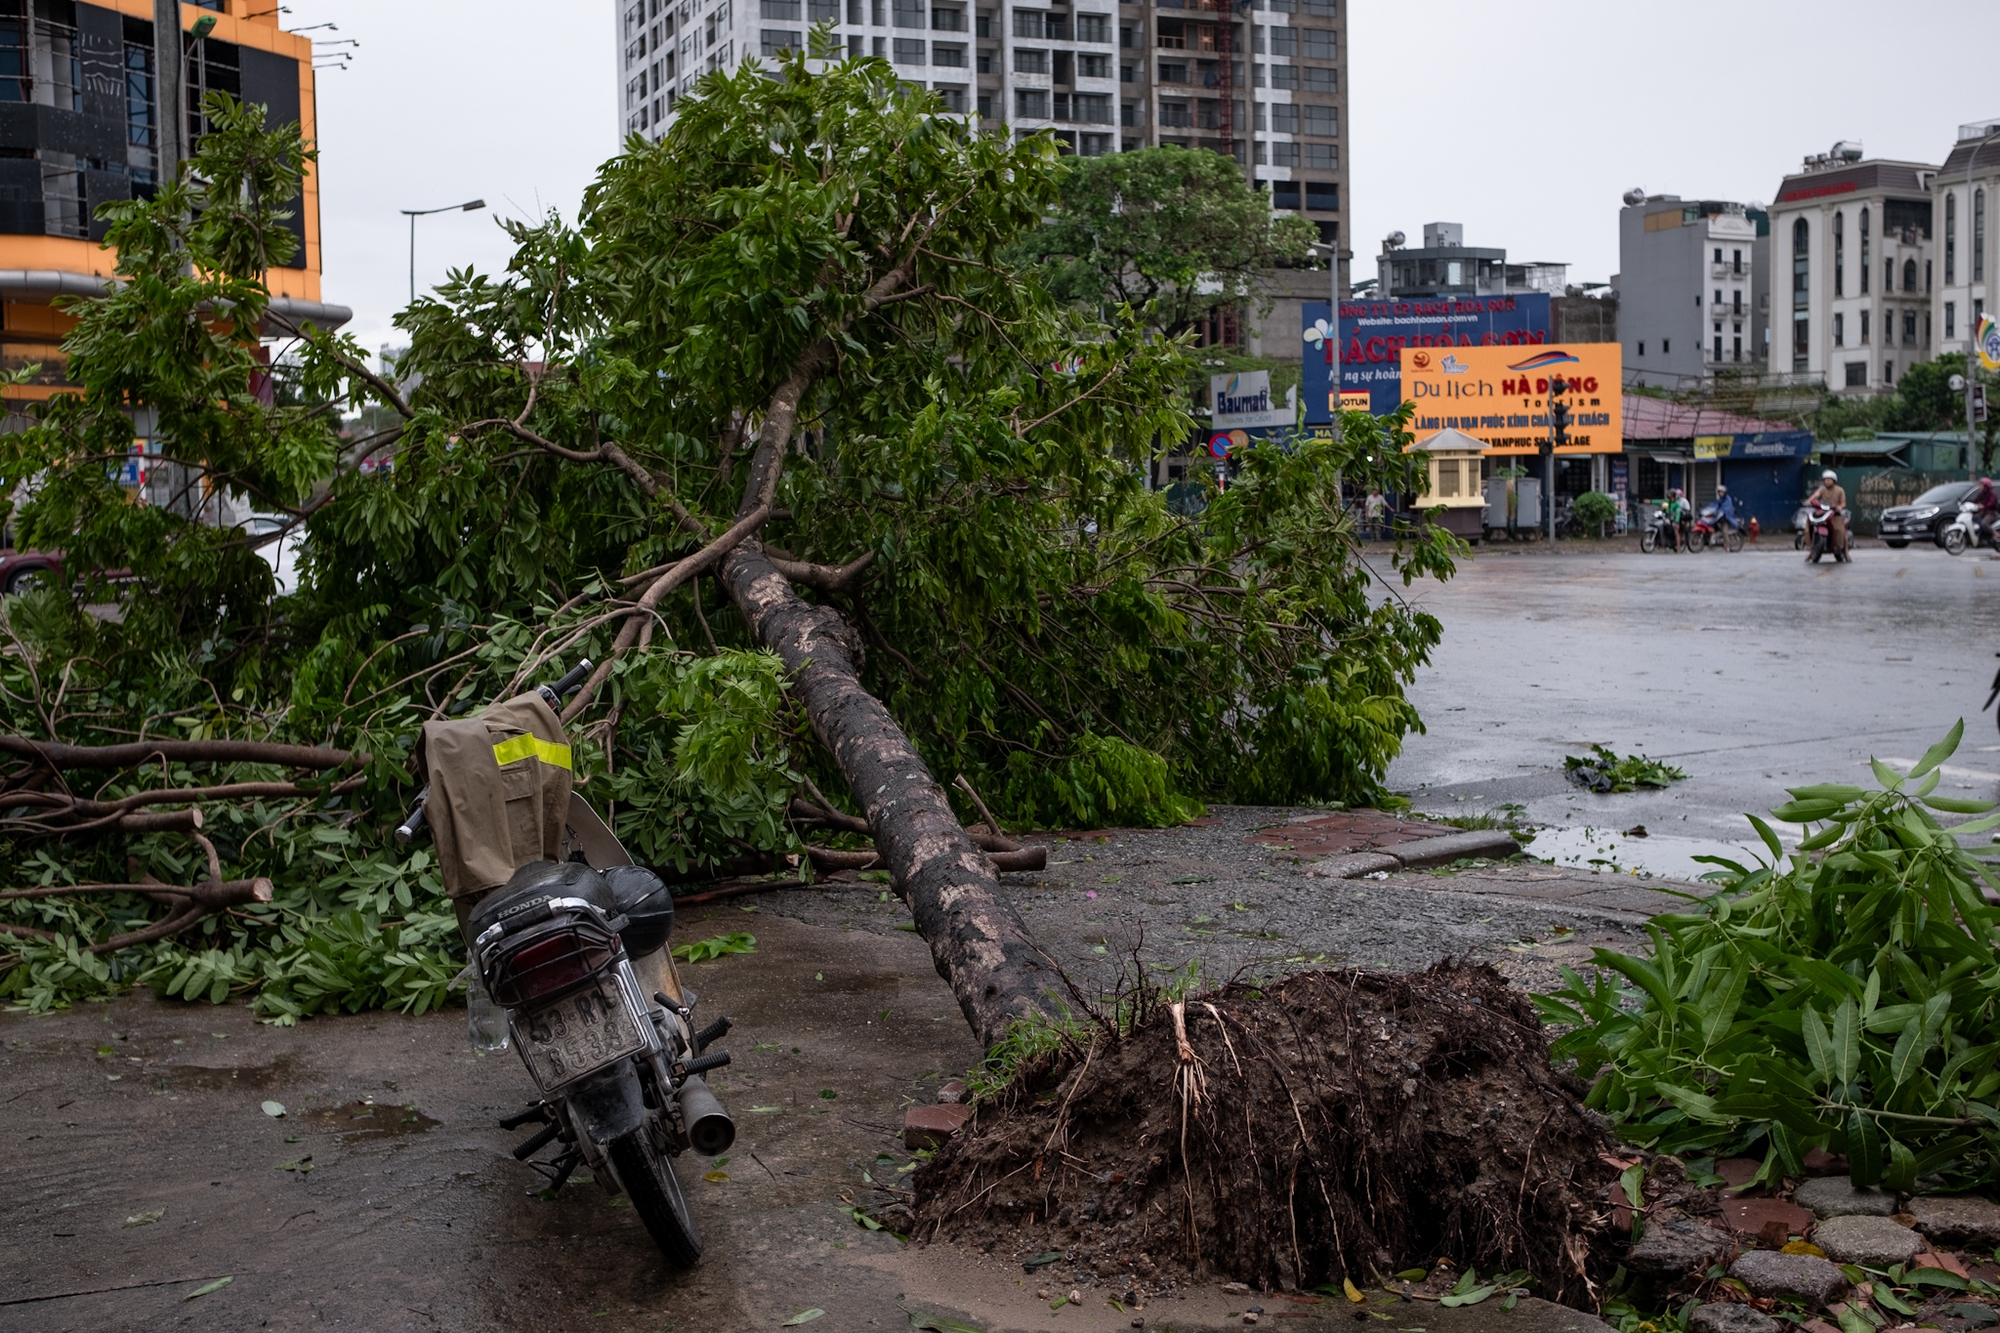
pixel 1690 277
pixel 1852 276
pixel 1261 82
pixel 1964 194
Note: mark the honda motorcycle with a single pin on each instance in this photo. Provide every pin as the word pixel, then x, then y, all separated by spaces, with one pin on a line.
pixel 1819 533
pixel 571 965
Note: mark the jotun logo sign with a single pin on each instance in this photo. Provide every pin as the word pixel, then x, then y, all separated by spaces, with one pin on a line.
pixel 1501 396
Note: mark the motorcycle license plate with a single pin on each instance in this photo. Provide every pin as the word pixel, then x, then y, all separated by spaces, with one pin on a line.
pixel 578 1034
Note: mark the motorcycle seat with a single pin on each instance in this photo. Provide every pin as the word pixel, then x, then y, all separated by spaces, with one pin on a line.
pixel 521 900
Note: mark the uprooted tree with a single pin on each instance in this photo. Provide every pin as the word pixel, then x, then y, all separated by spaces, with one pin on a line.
pixel 835 496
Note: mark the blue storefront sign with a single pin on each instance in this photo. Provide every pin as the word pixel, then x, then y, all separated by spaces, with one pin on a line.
pixel 1363 352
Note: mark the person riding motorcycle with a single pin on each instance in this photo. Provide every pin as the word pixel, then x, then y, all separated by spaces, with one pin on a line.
pixel 1676 511
pixel 1833 497
pixel 1987 500
pixel 1725 510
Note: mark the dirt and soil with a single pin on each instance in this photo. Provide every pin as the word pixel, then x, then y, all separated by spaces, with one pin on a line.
pixel 1333 1125
pixel 421 1220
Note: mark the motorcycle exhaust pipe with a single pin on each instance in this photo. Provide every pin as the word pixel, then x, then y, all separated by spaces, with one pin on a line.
pixel 710 1130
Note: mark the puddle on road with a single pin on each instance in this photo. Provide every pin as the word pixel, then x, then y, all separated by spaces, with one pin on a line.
pixel 1659 855
pixel 371 1119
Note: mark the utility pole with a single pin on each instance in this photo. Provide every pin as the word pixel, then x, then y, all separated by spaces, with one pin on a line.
pixel 169 88
pixel 1558 436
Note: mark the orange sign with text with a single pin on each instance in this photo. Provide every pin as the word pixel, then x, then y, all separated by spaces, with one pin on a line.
pixel 1500 395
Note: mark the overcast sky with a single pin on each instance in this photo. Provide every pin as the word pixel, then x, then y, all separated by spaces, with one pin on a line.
pixel 1524 121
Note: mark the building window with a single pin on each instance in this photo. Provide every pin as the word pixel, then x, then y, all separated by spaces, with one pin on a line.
pixel 1031 23
pixel 65 212
pixel 1171 72
pixel 1091 109
pixel 1285 153
pixel 1316 43
pixel 1839 257
pixel 951 57
pixel 1950 239
pixel 1718 254
pixel 1175 113
pixel 1979 235
pixel 1322 157
pixel 1093 67
pixel 1718 347
pixel 1888 274
pixel 1736 260
pixel 857 13
pixel 856 46
pixel 1284 194
pixel 1888 372
pixel 1801 292
pixel 909 14
pixel 1284 41
pixel 1909 327
pixel 909 51
pixel 140 160
pixel 1839 330
pixel 1865 270
pixel 1320 79
pixel 1031 104
pixel 1323 196
pixel 776 40
pixel 1909 275
pixel 1284 76
pixel 1284 118
pixel 1030 60
pixel 778 9
pixel 1094 28
pixel 1864 326
pixel 1642 349
pixel 1951 319
pixel 985 105
pixel 1857 374
pixel 1321 120
pixel 953 99
pixel 1666 347
pixel 947 20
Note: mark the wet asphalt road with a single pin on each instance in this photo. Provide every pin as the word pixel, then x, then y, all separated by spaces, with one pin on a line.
pixel 1752 672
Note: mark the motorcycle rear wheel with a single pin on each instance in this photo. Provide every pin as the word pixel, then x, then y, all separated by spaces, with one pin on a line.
pixel 649 1181
pixel 1648 540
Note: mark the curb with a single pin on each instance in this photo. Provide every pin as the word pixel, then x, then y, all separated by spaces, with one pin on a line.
pixel 1443 850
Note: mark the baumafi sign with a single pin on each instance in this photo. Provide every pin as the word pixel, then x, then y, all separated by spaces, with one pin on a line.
pixel 1500 395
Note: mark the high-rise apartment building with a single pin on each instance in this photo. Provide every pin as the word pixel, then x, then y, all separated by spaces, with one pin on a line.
pixel 82 123
pixel 1852 269
pixel 1262 81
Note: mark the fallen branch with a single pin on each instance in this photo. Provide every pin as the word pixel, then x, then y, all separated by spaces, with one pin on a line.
pixel 134 753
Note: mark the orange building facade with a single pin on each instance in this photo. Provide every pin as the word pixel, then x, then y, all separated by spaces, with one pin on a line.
pixel 81 125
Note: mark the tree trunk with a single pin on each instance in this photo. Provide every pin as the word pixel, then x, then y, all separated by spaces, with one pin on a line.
pixel 978 942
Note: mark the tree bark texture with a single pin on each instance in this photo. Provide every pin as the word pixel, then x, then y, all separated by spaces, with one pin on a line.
pixel 978 942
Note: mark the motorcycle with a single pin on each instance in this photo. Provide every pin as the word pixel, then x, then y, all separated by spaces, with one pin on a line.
pixel 1818 534
pixel 1706 531
pixel 571 964
pixel 1964 531
pixel 1661 531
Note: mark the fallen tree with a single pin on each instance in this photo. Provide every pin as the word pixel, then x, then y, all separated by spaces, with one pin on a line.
pixel 837 499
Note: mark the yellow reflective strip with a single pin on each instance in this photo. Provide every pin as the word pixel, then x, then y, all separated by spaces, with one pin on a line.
pixel 531 747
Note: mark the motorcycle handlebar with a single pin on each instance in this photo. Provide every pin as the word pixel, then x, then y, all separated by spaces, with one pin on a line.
pixel 570 683
pixel 406 832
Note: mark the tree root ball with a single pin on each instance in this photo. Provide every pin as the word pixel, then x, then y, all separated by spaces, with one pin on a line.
pixel 1330 1125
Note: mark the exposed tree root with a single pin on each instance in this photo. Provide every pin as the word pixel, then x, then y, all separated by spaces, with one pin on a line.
pixel 1332 1125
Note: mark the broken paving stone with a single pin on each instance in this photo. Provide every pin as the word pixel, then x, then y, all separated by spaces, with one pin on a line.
pixel 1738 1171
pixel 1235 1289
pixel 1957 1219
pixel 1820 1162
pixel 1769 1273
pixel 1837 1196
pixel 1674 1244
pixel 952 1092
pixel 931 1126
pixel 1722 1317
pixel 1871 1242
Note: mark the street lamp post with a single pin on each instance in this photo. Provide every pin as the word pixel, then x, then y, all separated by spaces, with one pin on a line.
pixel 413 214
pixel 1971 323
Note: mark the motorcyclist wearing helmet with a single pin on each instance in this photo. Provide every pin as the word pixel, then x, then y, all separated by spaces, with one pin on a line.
pixel 1987 501
pixel 1725 509
pixel 1676 511
pixel 1833 497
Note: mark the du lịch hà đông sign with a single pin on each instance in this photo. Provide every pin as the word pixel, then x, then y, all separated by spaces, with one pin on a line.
pixel 1500 395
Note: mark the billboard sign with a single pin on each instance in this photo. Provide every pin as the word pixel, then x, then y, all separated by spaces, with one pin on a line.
pixel 1361 350
pixel 1500 394
pixel 1242 401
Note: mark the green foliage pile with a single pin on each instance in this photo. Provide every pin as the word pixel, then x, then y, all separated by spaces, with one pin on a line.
pixel 1595 509
pixel 1605 770
pixel 1846 998
pixel 1034 617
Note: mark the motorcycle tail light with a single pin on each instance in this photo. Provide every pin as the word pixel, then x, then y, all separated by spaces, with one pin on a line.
pixel 550 964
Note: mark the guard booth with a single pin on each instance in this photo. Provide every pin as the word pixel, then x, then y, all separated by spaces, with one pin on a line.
pixel 1454 482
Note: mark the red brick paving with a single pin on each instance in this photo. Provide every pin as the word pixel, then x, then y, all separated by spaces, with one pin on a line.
pixel 1346 831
